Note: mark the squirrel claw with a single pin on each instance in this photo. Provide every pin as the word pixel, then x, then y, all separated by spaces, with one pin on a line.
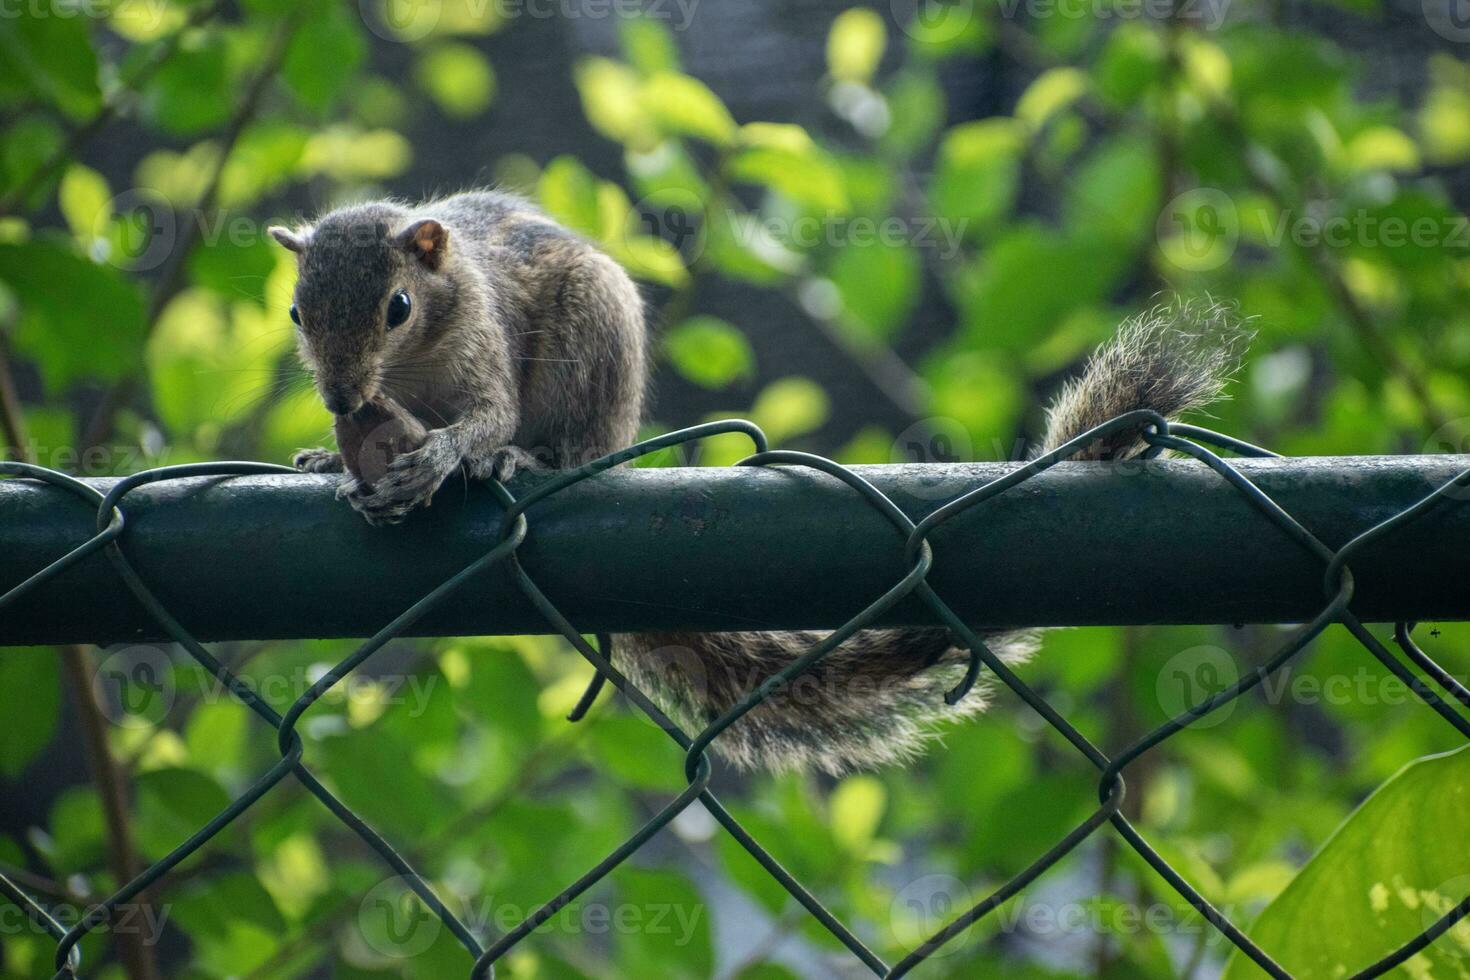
pixel 374 509
pixel 317 461
pixel 503 463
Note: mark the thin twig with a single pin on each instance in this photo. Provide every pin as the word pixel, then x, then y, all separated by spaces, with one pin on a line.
pixel 171 280
pixel 133 948
pixel 114 105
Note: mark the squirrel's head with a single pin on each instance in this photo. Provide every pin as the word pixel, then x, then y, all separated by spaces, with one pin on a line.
pixel 372 292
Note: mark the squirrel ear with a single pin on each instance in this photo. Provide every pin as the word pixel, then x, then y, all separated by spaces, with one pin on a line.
pixel 294 241
pixel 426 240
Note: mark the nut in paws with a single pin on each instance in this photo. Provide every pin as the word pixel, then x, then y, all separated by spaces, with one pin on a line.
pixel 411 479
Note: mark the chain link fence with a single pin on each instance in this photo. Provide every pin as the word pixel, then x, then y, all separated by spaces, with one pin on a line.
pixel 1161 435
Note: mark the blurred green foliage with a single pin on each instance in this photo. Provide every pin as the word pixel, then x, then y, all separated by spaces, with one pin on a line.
pixel 1237 159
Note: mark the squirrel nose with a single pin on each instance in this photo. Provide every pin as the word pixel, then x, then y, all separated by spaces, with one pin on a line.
pixel 341 401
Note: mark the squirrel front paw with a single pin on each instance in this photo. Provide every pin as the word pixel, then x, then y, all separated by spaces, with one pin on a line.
pixel 409 483
pixel 317 461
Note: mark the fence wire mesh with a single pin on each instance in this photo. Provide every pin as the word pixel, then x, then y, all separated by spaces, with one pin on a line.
pixel 1161 436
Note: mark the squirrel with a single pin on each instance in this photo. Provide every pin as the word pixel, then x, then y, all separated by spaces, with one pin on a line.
pixel 514 343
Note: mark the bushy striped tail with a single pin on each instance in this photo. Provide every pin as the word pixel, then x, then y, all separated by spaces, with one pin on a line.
pixel 872 701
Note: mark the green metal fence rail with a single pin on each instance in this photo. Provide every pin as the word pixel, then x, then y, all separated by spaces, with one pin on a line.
pixel 1201 541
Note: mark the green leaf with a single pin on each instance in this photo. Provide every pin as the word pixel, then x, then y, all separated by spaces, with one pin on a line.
pixel 1115 192
pixel 1030 280
pixel 30 703
pixel 1382 148
pixel 297 420
pixel 978 172
pixel 143 22
pixel 1132 60
pixel 193 91
pixel 568 191
pixel 1444 120
pixel 185 365
pixel 648 45
pixel 709 352
pixel 1398 863
pixel 1050 93
pixel 231 921
pixel 648 258
pixel 78 319
pixel 806 175
pixel 917 104
pixel 458 78
pixel 740 247
pixel 610 101
pixel 355 763
pixel 879 284
pixel 635 751
pixel 25 147
pixel 944 30
pixel 77 825
pixel 667 931
pixel 857 807
pixel 976 390
pixel 855 45
pixel 235 269
pixel 684 106
pixel 324 55
pixel 48 55
pixel 86 203
pixel 266 157
pixel 347 154
pixel 172 805
pixel 790 407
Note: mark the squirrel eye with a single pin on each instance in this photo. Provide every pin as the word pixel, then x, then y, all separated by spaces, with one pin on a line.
pixel 295 315
pixel 398 308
